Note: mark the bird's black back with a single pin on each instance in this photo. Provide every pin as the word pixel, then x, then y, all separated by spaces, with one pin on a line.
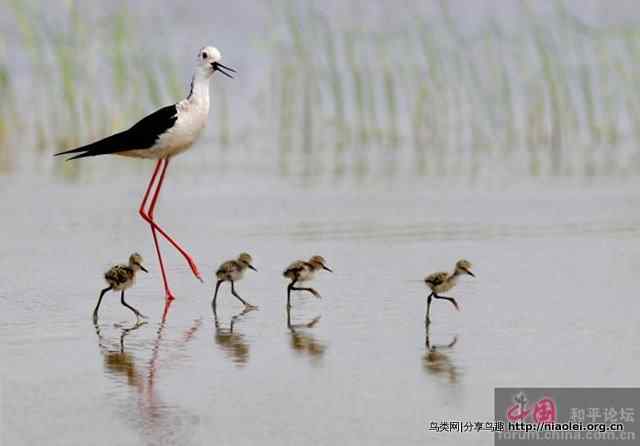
pixel 143 135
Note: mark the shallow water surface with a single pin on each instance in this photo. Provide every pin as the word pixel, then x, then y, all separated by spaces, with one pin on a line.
pixel 554 304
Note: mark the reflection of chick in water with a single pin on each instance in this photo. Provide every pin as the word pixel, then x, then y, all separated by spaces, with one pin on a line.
pixel 119 362
pixel 438 363
pixel 232 343
pixel 302 341
pixel 141 407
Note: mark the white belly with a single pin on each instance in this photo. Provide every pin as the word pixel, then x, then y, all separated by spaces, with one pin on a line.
pixel 192 119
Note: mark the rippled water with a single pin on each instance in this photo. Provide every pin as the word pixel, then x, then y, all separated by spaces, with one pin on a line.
pixel 554 303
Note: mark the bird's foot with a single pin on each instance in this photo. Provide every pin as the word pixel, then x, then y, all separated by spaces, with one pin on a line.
pixel 194 269
pixel 139 324
pixel 313 322
pixel 248 306
pixel 169 296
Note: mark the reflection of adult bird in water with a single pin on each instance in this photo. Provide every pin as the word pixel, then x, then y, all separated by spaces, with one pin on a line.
pixel 231 342
pixel 162 135
pixel 442 281
pixel 121 277
pixel 149 414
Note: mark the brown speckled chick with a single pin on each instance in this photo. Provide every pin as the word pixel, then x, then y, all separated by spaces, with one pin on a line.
pixel 302 271
pixel 120 278
pixel 231 271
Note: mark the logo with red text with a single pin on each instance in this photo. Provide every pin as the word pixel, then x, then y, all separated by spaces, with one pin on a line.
pixel 542 411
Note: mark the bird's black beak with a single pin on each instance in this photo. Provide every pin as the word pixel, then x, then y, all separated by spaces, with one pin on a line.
pixel 470 273
pixel 253 268
pixel 217 66
pixel 327 268
pixel 143 268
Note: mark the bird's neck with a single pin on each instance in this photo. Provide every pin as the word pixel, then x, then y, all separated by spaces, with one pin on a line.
pixel 454 275
pixel 199 92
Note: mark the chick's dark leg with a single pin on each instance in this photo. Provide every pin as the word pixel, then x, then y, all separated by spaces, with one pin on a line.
pixel 311 290
pixel 289 288
pixel 95 311
pixel 215 294
pixel 450 299
pixel 233 291
pixel 136 312
pixel 427 318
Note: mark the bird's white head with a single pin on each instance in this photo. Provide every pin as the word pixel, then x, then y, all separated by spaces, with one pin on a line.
pixel 208 62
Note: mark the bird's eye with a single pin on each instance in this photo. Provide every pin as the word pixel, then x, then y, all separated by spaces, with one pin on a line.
pixel 204 55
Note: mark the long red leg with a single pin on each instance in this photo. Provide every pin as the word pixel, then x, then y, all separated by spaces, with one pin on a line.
pixel 168 292
pixel 149 218
pixel 154 199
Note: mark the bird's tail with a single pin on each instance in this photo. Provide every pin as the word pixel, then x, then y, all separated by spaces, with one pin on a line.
pixel 111 144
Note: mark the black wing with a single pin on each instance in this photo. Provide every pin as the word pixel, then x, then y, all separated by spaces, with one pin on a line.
pixel 143 135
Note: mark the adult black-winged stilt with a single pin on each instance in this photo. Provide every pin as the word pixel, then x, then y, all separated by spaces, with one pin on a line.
pixel 443 281
pixel 160 136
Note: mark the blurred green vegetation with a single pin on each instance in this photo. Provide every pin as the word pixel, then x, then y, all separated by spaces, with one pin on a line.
pixel 545 95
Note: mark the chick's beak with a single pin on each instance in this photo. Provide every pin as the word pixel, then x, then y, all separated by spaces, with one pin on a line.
pixel 252 267
pixel 217 66
pixel 326 268
pixel 470 273
pixel 143 268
